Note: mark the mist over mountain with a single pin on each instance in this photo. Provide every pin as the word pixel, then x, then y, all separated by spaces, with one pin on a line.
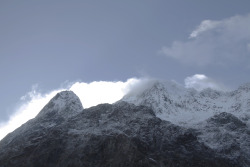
pixel 156 124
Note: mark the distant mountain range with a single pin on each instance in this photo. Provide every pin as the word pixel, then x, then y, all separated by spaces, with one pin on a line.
pixel 161 125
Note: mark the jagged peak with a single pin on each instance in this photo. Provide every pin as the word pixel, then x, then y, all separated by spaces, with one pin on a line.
pixel 173 102
pixel 67 94
pixel 65 104
pixel 154 85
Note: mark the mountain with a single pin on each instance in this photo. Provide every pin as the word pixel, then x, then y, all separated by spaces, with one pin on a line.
pixel 162 124
pixel 61 107
pixel 187 107
pixel 222 119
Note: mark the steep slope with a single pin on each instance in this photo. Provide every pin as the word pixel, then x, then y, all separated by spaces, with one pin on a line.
pixel 61 107
pixel 105 136
pixel 221 118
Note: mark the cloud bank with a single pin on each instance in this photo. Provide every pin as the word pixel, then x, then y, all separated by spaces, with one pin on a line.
pixel 95 93
pixel 90 94
pixel 214 42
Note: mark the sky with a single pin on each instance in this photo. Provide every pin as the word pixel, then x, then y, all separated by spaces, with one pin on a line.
pixel 48 46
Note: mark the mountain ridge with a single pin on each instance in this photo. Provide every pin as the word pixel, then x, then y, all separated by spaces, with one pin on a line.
pixel 180 100
pixel 142 129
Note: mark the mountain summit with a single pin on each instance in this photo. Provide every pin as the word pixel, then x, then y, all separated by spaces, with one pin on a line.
pixel 65 104
pixel 162 124
pixel 187 107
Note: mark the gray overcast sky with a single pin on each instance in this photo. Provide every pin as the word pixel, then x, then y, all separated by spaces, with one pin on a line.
pixel 49 42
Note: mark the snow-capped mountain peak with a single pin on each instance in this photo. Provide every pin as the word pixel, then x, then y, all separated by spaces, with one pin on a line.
pixel 184 106
pixel 65 103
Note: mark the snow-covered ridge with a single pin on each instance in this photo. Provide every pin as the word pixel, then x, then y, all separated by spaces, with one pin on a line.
pixel 188 107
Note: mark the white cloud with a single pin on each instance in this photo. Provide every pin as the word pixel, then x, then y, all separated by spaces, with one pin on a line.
pixel 201 81
pixel 204 26
pixel 95 93
pixel 214 42
pixel 139 87
pixel 90 94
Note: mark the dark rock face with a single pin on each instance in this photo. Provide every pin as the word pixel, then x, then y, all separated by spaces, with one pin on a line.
pixel 228 120
pixel 109 135
pixel 118 135
pixel 228 136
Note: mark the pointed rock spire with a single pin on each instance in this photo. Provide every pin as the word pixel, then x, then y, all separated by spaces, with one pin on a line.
pixel 65 104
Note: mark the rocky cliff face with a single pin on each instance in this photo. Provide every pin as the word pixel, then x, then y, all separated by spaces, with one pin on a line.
pixel 136 131
pixel 222 119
